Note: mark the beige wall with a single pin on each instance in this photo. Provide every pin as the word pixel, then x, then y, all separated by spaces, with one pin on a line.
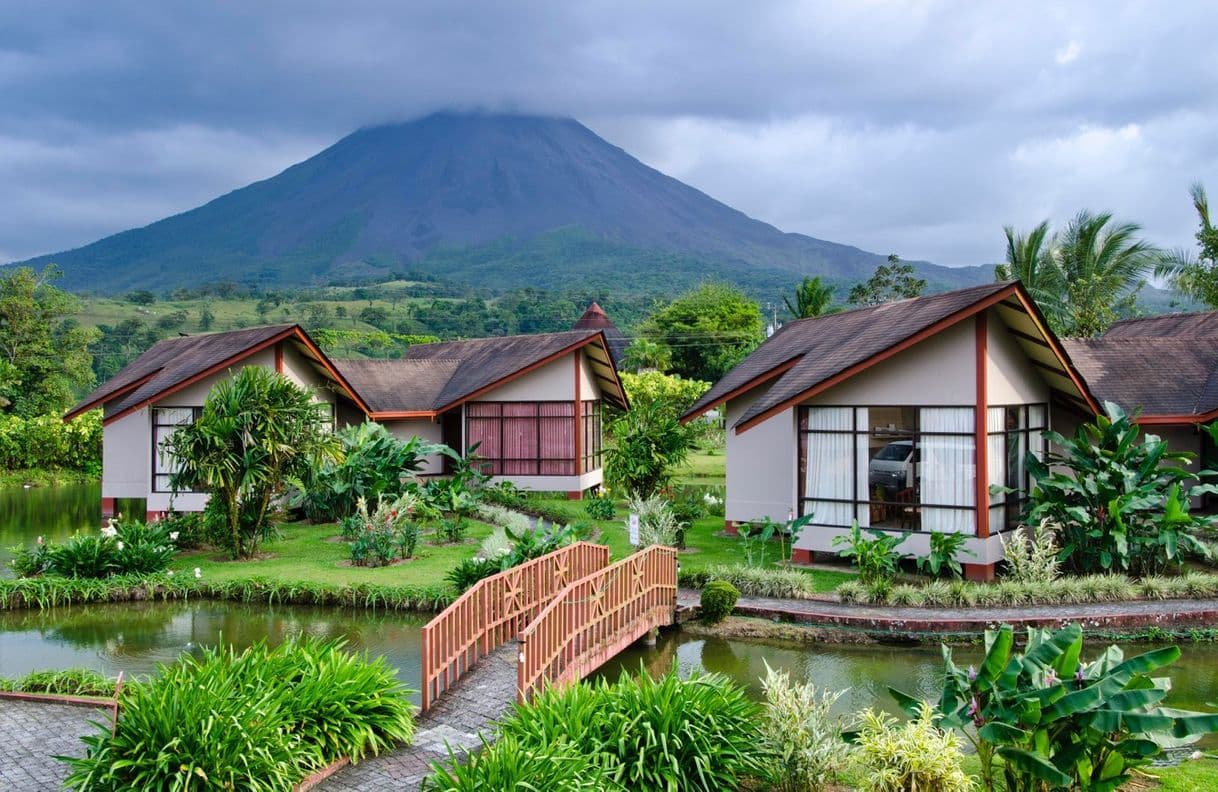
pixel 127 456
pixel 429 431
pixel 554 381
pixel 935 372
pixel 1010 378
pixel 760 463
pixel 301 370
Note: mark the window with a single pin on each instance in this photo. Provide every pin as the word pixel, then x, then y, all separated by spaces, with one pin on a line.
pixel 900 468
pixel 533 438
pixel 1012 432
pixel 166 421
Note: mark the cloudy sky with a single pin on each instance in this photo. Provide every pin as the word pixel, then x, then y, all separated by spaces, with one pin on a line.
pixel 915 127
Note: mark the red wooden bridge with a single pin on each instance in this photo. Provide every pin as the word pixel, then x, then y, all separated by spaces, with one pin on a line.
pixel 570 611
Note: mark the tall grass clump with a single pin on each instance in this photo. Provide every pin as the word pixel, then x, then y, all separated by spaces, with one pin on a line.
pixel 1032 553
pixel 68 682
pixel 668 733
pixel 260 719
pixel 902 757
pixel 506 764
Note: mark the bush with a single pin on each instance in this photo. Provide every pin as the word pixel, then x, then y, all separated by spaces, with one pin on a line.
pixel 69 682
pixel 505 493
pixel 803 737
pixel 45 442
pixel 752 581
pixel 718 599
pixel 469 571
pixel 1119 498
pixel 261 719
pixel 83 556
pixel 1031 553
pixel 29 561
pixel 1056 721
pixel 600 506
pixel 187 530
pixel 877 559
pixel 383 533
pixel 507 765
pixel 648 442
pixel 668 733
pixel 911 756
pixel 657 524
pixel 452 530
pixel 944 551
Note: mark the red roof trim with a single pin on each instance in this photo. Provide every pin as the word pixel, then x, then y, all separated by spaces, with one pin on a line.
pixel 763 377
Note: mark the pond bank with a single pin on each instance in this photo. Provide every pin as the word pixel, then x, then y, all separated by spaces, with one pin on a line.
pixel 902 621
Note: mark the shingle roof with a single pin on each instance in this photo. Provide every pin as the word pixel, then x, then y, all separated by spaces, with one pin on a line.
pixel 431 377
pixel 172 361
pixel 595 318
pixel 399 385
pixel 1177 325
pixel 828 345
pixel 1159 376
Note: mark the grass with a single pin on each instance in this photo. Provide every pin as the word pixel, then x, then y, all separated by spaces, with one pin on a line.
pixel 307 553
pixel 43 477
pixel 707 467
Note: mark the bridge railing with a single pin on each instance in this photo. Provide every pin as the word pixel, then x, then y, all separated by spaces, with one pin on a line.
pixel 596 617
pixel 495 610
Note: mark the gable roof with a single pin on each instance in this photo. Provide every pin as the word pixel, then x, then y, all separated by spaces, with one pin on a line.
pixel 808 355
pixel 1177 325
pixel 173 363
pixel 432 378
pixel 595 318
pixel 1128 370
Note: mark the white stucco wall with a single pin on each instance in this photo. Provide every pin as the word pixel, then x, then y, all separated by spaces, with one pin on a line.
pixel 761 463
pixel 1010 377
pixel 127 456
pixel 427 430
pixel 301 370
pixel 554 381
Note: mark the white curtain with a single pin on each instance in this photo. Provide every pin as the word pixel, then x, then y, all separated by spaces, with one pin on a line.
pixel 948 469
pixel 830 465
pixel 862 466
pixel 996 450
pixel 1037 417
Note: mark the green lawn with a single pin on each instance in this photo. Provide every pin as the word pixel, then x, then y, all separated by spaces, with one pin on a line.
pixel 308 554
pixel 707 467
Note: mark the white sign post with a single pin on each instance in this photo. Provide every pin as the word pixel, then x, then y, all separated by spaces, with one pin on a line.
pixel 634 530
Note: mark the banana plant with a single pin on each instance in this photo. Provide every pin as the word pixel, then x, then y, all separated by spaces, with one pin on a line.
pixel 1045 720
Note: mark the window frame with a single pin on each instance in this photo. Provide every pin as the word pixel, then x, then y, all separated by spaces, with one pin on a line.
pixel 1011 516
pixel 580 420
pixel 196 411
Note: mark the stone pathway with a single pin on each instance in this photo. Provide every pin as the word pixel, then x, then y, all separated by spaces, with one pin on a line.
pixel 1125 615
pixel 31 733
pixel 479 699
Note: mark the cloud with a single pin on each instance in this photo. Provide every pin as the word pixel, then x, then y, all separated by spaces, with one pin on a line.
pixel 919 127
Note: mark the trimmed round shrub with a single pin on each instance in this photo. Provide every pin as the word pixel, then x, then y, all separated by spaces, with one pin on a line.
pixel 718 599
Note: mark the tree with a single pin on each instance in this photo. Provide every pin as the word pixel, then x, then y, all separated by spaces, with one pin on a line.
pixel 892 281
pixel 648 442
pixel 1104 264
pixel 257 430
pixel 1196 278
pixel 44 353
pixel 644 354
pixel 707 330
pixel 141 297
pixel 206 318
pixel 1032 260
pixel 813 297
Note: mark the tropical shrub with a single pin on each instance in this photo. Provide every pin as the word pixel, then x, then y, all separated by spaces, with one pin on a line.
pixel 45 442
pixel 718 599
pixel 259 719
pixel 469 571
pixel 187 530
pixel 750 580
pixel 506 764
pixel 877 559
pixel 373 463
pixel 1031 553
pixel 257 431
pixel 505 493
pixel 29 561
pixel 757 539
pixel 83 555
pixel 1120 499
pixel 68 682
pixel 802 736
pixel 142 548
pixel 505 548
pixel 648 442
pixel 668 733
pixel 384 533
pixel 670 392
pixel 600 506
pixel 944 551
pixel 657 523
pixel 1046 719
pixel 916 755
pixel 451 530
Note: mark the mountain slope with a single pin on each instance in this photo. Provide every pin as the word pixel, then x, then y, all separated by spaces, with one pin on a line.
pixel 456 194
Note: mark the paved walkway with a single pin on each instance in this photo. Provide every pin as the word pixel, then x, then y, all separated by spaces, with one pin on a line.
pixel 480 698
pixel 31 733
pixel 1125 615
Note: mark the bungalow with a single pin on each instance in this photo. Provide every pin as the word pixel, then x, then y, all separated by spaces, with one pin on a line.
pixel 898 416
pixel 531 403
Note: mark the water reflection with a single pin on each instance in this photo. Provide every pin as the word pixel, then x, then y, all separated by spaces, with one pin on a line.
pixel 134 637
pixel 52 512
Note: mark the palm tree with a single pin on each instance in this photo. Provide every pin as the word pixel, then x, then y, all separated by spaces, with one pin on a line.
pixel 813 297
pixel 1196 277
pixel 1032 260
pixel 1103 266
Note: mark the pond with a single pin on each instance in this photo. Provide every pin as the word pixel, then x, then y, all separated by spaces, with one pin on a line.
pixel 865 672
pixel 52 512
pixel 134 637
